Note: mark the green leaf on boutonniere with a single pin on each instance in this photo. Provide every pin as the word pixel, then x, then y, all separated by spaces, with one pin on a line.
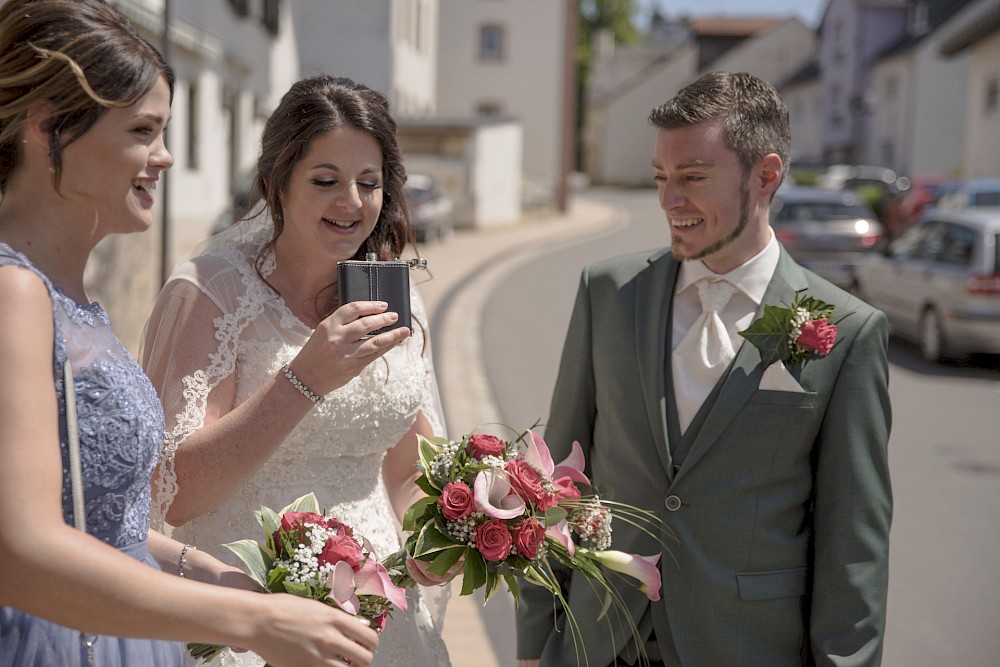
pixel 768 333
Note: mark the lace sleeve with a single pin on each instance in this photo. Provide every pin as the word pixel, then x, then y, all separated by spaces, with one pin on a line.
pixel 431 404
pixel 186 358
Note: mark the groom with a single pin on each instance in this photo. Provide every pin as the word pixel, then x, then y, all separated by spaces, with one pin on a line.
pixel 774 482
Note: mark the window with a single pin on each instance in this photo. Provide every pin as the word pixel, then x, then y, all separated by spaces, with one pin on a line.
pixel 491 42
pixel 270 17
pixel 908 242
pixel 488 109
pixel 240 7
pixel 990 99
pixel 192 125
pixel 961 244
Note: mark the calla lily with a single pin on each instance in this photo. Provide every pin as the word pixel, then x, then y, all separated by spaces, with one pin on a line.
pixel 560 533
pixel 643 568
pixel 538 455
pixel 373 579
pixel 343 588
pixel 495 497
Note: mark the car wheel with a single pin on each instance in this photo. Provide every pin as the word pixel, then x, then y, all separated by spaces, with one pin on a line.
pixel 932 346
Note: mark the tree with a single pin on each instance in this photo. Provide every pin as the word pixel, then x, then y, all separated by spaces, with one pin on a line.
pixel 595 16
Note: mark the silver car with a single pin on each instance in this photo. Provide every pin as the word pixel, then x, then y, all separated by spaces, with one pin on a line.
pixel 827 231
pixel 939 282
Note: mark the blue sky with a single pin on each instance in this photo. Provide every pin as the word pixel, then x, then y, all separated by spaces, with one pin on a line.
pixel 810 11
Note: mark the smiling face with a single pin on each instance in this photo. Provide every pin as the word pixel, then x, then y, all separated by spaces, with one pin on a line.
pixel 334 196
pixel 113 168
pixel 717 212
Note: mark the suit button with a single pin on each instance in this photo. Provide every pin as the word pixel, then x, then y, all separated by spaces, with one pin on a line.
pixel 673 503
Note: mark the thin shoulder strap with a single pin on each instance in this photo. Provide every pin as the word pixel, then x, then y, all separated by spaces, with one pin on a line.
pixel 73 435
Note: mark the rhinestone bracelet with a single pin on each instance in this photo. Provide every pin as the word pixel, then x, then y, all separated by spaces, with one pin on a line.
pixel 297 383
pixel 183 559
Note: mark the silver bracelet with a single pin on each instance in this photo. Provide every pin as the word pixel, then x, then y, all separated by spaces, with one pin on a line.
pixel 183 559
pixel 297 383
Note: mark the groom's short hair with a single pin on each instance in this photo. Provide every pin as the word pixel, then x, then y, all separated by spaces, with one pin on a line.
pixel 754 116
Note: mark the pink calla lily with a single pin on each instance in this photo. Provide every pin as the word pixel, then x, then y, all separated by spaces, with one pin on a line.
pixel 495 497
pixel 373 579
pixel 560 533
pixel 643 568
pixel 343 588
pixel 538 455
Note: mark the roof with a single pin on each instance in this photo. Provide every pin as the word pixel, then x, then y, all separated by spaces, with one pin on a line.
pixel 728 26
pixel 973 31
pixel 938 13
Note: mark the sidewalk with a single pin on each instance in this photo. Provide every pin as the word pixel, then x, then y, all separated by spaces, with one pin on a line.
pixel 466 270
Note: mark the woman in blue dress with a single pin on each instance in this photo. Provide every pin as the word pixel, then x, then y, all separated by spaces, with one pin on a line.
pixel 83 104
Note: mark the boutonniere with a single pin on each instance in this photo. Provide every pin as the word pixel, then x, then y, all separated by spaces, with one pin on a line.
pixel 795 334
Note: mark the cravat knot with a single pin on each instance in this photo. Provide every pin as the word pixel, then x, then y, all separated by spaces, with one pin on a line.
pixel 714 294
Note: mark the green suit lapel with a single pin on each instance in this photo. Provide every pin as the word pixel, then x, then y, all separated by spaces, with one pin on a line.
pixel 654 293
pixel 745 372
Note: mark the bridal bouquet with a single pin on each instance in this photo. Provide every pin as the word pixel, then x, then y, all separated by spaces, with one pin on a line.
pixel 313 555
pixel 501 509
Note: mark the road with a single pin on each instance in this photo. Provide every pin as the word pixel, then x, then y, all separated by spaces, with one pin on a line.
pixel 944 597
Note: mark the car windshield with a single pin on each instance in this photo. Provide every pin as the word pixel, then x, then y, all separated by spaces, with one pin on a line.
pixel 823 211
pixel 990 198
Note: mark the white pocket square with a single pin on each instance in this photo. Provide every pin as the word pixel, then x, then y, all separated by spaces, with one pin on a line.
pixel 777 378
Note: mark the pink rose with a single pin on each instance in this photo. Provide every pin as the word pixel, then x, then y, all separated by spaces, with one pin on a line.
pixel 526 481
pixel 818 335
pixel 378 623
pixel 547 502
pixel 528 536
pixel 485 445
pixel 292 521
pixel 565 488
pixel 456 500
pixel 341 548
pixel 493 540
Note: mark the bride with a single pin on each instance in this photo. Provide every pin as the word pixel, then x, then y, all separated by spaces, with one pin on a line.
pixel 271 388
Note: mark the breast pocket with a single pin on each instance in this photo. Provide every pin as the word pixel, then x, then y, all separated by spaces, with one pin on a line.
pixel 772 585
pixel 788 399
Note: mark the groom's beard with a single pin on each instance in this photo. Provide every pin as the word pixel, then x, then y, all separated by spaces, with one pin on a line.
pixel 740 227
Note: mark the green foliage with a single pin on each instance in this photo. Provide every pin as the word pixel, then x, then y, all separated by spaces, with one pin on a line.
pixel 769 334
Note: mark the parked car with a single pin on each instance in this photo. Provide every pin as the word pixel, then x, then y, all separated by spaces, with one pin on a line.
pixel 912 197
pixel 827 231
pixel 971 193
pixel 939 283
pixel 431 210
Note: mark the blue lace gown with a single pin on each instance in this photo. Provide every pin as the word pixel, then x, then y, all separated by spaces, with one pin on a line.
pixel 121 431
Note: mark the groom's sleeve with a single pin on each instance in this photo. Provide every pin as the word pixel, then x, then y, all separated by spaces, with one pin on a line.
pixel 853 508
pixel 571 417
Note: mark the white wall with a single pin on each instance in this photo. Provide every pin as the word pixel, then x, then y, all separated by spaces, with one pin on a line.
pixel 805 111
pixel 526 84
pixel 982 139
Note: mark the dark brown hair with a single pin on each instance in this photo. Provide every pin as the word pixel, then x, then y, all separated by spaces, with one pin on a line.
pixel 753 114
pixel 316 105
pixel 80 57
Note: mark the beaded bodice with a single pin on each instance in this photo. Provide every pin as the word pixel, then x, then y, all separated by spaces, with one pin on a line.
pixel 118 412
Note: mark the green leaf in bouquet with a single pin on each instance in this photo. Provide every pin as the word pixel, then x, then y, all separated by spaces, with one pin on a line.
pixel 306 503
pixel 474 574
pixel 492 584
pixel 512 587
pixel 446 559
pixel 431 540
pixel 417 511
pixel 768 334
pixel 268 520
pixel 554 515
pixel 297 588
pixel 255 560
pixel 276 579
pixel 427 487
pixel 428 452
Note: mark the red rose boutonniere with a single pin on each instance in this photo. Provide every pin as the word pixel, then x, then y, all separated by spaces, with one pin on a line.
pixel 793 335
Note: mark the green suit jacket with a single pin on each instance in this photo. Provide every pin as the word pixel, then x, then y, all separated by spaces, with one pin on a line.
pixel 781 504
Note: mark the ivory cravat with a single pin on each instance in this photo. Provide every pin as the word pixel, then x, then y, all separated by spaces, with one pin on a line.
pixel 704 353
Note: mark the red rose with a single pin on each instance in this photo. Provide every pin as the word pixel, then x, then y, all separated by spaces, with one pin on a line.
pixel 526 481
pixel 547 502
pixel 378 623
pixel 292 521
pixel 456 500
pixel 818 335
pixel 485 445
pixel 528 536
pixel 493 540
pixel 341 548
pixel 566 488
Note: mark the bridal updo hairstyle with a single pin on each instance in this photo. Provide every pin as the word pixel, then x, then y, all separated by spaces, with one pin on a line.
pixel 316 105
pixel 78 58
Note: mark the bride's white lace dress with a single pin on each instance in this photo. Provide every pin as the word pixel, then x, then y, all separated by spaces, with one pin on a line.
pixel 336 451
